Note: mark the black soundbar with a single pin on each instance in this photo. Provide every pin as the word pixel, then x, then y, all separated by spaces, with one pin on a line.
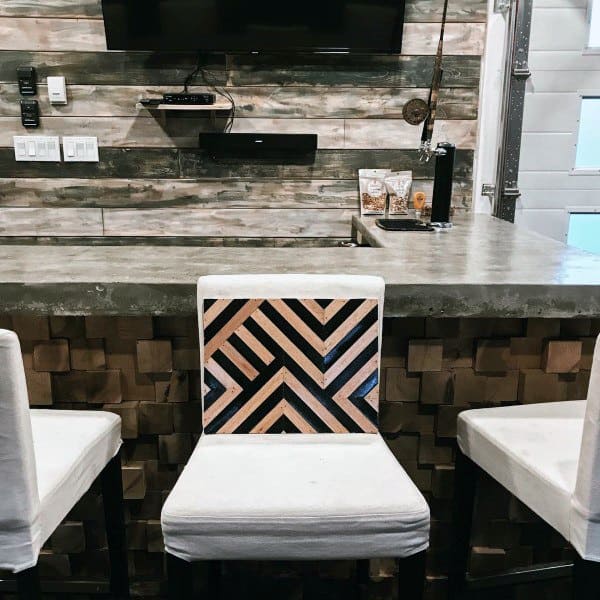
pixel 189 99
pixel 271 145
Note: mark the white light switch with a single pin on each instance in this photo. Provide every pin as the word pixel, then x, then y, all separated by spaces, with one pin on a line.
pixel 38 148
pixel 57 90
pixel 80 149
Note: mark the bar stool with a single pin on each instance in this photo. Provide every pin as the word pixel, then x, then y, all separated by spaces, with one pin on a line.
pixel 297 354
pixel 548 456
pixel 48 460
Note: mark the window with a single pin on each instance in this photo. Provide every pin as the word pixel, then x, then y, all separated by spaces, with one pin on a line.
pixel 584 231
pixel 588 136
pixel 594 35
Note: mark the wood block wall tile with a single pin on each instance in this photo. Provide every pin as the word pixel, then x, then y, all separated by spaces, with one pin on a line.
pixel 404 447
pixel 442 328
pixel 485 560
pixel 6 322
pixel 562 356
pixel 469 387
pixel 526 352
pixel 537 386
pixel 160 477
pixel 150 506
pixel 177 327
pixel 508 327
pixel 393 352
pixel 179 387
pixel 411 327
pixel 588 345
pixel 128 411
pixel 31 328
pixel 476 328
pixel 574 328
pixel 52 356
pixel 95 387
pixel 154 536
pixel 419 474
pixel 134 481
pixel 442 483
pixel 436 388
pixel 447 420
pixel 401 387
pixel 155 418
pixel 187 417
pixel 595 327
pixel 136 535
pixel 458 353
pixel 87 355
pixel 577 388
pixel 424 355
pixel 100 327
pixel 186 355
pixel 493 356
pixel 161 391
pixel 430 452
pixel 39 388
pixel 54 566
pixel 543 328
pixel 135 328
pixel 501 389
pixel 154 356
pixel 175 448
pixel 67 327
pixel 121 354
pixel 137 386
pixel 68 538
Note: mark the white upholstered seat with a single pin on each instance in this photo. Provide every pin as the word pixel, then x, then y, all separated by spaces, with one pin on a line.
pixel 548 456
pixel 305 348
pixel 48 459
pixel 292 496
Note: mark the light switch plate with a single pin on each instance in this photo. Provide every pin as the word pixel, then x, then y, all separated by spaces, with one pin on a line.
pixel 57 90
pixel 37 148
pixel 80 149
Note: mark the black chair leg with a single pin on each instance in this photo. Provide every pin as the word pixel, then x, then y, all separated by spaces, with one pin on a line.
pixel 28 584
pixel 214 579
pixel 411 576
pixel 180 578
pixel 465 487
pixel 586 579
pixel 112 498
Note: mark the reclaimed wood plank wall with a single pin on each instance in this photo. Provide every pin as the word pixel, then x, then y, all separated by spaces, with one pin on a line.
pixel 151 181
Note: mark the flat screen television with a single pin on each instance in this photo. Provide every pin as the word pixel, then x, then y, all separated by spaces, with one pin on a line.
pixel 245 26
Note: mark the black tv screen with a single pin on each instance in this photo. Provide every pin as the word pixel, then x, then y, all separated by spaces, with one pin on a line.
pixel 241 26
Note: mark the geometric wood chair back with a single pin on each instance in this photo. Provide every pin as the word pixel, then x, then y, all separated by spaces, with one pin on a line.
pixel 290 353
pixel 20 529
pixel 585 503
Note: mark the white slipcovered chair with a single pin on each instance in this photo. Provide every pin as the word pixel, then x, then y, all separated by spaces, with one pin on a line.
pixel 298 354
pixel 48 460
pixel 548 456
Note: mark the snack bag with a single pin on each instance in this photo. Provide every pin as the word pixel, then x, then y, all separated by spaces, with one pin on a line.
pixel 373 192
pixel 398 187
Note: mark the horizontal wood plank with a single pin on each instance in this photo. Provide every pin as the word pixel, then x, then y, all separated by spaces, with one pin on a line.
pixel 415 11
pixel 50 221
pixel 282 102
pixel 58 34
pixel 145 68
pixel 227 222
pixel 380 133
pixel 131 132
pixel 196 194
pixel 166 163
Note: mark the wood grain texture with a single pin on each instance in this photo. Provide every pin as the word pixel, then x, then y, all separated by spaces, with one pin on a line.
pixel 227 222
pixel 415 11
pixel 50 221
pixel 58 34
pixel 271 102
pixel 142 132
pixel 169 193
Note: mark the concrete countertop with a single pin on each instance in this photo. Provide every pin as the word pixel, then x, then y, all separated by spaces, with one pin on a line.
pixel 483 267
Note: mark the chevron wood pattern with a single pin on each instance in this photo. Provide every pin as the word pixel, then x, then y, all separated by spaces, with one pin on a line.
pixel 293 365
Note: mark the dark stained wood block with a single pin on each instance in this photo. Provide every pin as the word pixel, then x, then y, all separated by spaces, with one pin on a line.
pixel 588 345
pixel 186 355
pixel 54 566
pixel 136 535
pixel 447 421
pixel 187 417
pixel 526 352
pixel 537 386
pixel 88 355
pixel 31 328
pixel 134 328
pixel 137 386
pixel 155 418
pixel 94 387
pixel 97 327
pixel 400 387
pixel 52 356
pixel 179 387
pixel 424 355
pixel 562 356
pixel 67 327
pixel 128 411
pixel 175 448
pixel 39 388
pixel 436 387
pixel 431 452
pixel 134 481
pixel 154 536
pixel 485 560
pixel 502 388
pixel 68 538
pixel 468 387
pixel 442 485
pixel 493 356
pixel 154 356
pixel 543 328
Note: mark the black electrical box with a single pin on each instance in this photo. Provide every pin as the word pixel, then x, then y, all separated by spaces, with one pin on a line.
pixel 30 113
pixel 27 81
pixel 259 145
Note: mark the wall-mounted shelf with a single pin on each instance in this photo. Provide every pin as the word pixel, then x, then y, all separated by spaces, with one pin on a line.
pixel 219 105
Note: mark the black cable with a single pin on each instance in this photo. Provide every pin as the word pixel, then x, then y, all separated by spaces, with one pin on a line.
pixel 224 93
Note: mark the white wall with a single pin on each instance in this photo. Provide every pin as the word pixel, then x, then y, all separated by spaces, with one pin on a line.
pixel 560 71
